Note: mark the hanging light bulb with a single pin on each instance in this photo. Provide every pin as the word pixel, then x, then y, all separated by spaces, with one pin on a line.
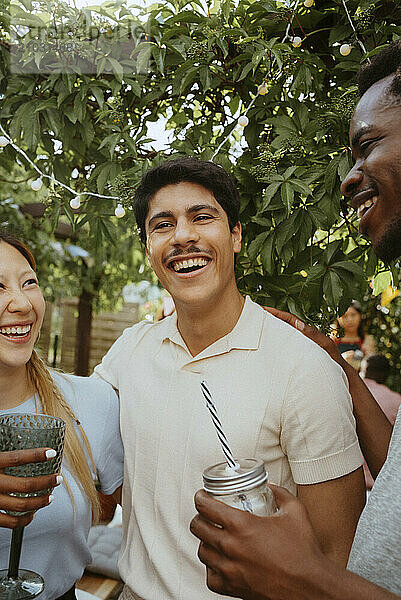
pixel 296 41
pixel 309 3
pixel 75 202
pixel 262 89
pixel 243 121
pixel 3 141
pixel 345 49
pixel 37 184
pixel 120 211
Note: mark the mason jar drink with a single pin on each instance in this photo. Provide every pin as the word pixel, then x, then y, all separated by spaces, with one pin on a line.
pixel 243 487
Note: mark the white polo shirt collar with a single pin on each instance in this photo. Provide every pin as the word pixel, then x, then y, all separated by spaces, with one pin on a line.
pixel 245 335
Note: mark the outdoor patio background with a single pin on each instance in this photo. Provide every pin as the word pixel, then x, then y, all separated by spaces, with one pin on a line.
pixel 106 328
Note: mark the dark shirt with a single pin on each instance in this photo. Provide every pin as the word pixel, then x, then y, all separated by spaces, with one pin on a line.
pixel 345 346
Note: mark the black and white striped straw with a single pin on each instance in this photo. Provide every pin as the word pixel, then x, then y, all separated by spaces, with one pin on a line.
pixel 218 426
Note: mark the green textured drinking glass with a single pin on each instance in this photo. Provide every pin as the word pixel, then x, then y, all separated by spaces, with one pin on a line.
pixel 22 432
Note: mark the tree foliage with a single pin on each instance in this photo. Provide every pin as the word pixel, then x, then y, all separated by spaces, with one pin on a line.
pixel 87 106
pixel 67 264
pixel 383 322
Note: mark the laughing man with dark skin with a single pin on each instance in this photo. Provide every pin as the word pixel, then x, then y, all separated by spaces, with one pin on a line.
pixel 279 557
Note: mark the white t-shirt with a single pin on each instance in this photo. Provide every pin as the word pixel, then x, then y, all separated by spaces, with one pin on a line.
pixel 280 398
pixel 376 551
pixel 54 543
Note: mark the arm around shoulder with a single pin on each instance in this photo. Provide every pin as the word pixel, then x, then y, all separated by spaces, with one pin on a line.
pixel 321 444
pixel 373 428
pixel 334 508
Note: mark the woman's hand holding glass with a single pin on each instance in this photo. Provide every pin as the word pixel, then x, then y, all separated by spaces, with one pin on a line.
pixel 10 484
pixel 18 432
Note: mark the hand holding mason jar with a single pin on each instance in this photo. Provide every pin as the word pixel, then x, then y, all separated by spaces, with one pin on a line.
pixel 243 487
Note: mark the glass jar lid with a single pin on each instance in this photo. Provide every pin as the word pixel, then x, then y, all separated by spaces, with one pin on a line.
pixel 221 479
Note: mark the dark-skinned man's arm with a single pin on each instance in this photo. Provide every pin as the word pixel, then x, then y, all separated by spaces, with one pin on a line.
pixel 271 558
pixel 373 428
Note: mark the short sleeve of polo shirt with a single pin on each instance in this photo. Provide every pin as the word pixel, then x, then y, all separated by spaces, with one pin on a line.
pixel 117 360
pixel 318 432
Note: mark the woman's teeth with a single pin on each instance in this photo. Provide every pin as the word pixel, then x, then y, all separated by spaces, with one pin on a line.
pixel 363 207
pixel 15 330
pixel 188 264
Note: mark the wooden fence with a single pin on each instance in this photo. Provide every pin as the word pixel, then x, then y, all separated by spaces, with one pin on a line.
pixel 106 328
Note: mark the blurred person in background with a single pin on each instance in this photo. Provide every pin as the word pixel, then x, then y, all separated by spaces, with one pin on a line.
pixel 375 370
pixel 354 337
pixel 354 344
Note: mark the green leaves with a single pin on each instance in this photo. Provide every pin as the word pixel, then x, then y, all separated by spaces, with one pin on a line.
pixel 106 173
pixel 267 254
pixel 330 179
pixel 110 141
pixel 256 245
pixel 25 124
pixel 205 78
pixel 187 74
pixel 287 185
pixel 381 282
pixel 116 67
pixel 332 288
pixel 287 195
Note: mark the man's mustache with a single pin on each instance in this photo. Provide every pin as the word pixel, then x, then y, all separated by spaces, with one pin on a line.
pixel 190 250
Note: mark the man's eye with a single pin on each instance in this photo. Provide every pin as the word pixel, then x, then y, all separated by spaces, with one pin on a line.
pixel 364 146
pixel 202 217
pixel 31 281
pixel 162 225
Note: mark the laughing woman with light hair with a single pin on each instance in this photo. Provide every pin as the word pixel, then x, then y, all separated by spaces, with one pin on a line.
pixel 55 543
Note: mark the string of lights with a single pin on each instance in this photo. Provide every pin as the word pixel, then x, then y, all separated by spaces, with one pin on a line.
pixel 36 185
pixel 242 121
pixel 262 89
pixel 345 49
pixel 353 28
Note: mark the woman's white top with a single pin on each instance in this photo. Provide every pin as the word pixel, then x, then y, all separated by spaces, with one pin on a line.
pixel 55 542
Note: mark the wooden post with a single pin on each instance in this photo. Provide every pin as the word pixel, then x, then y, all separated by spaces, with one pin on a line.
pixel 84 325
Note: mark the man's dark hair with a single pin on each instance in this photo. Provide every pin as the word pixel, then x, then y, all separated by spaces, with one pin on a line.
pixel 385 63
pixel 377 368
pixel 207 174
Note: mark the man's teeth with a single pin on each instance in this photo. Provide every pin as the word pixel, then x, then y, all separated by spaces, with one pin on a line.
pixel 15 330
pixel 370 202
pixel 187 264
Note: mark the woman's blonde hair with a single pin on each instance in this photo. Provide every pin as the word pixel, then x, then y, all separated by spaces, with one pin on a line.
pixel 53 403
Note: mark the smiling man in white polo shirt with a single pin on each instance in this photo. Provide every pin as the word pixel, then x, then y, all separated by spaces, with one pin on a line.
pixel 279 396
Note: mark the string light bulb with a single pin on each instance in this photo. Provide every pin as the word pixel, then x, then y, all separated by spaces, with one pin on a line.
pixel 3 141
pixel 75 202
pixel 345 49
pixel 36 185
pixel 262 89
pixel 309 3
pixel 243 121
pixel 120 211
pixel 296 41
